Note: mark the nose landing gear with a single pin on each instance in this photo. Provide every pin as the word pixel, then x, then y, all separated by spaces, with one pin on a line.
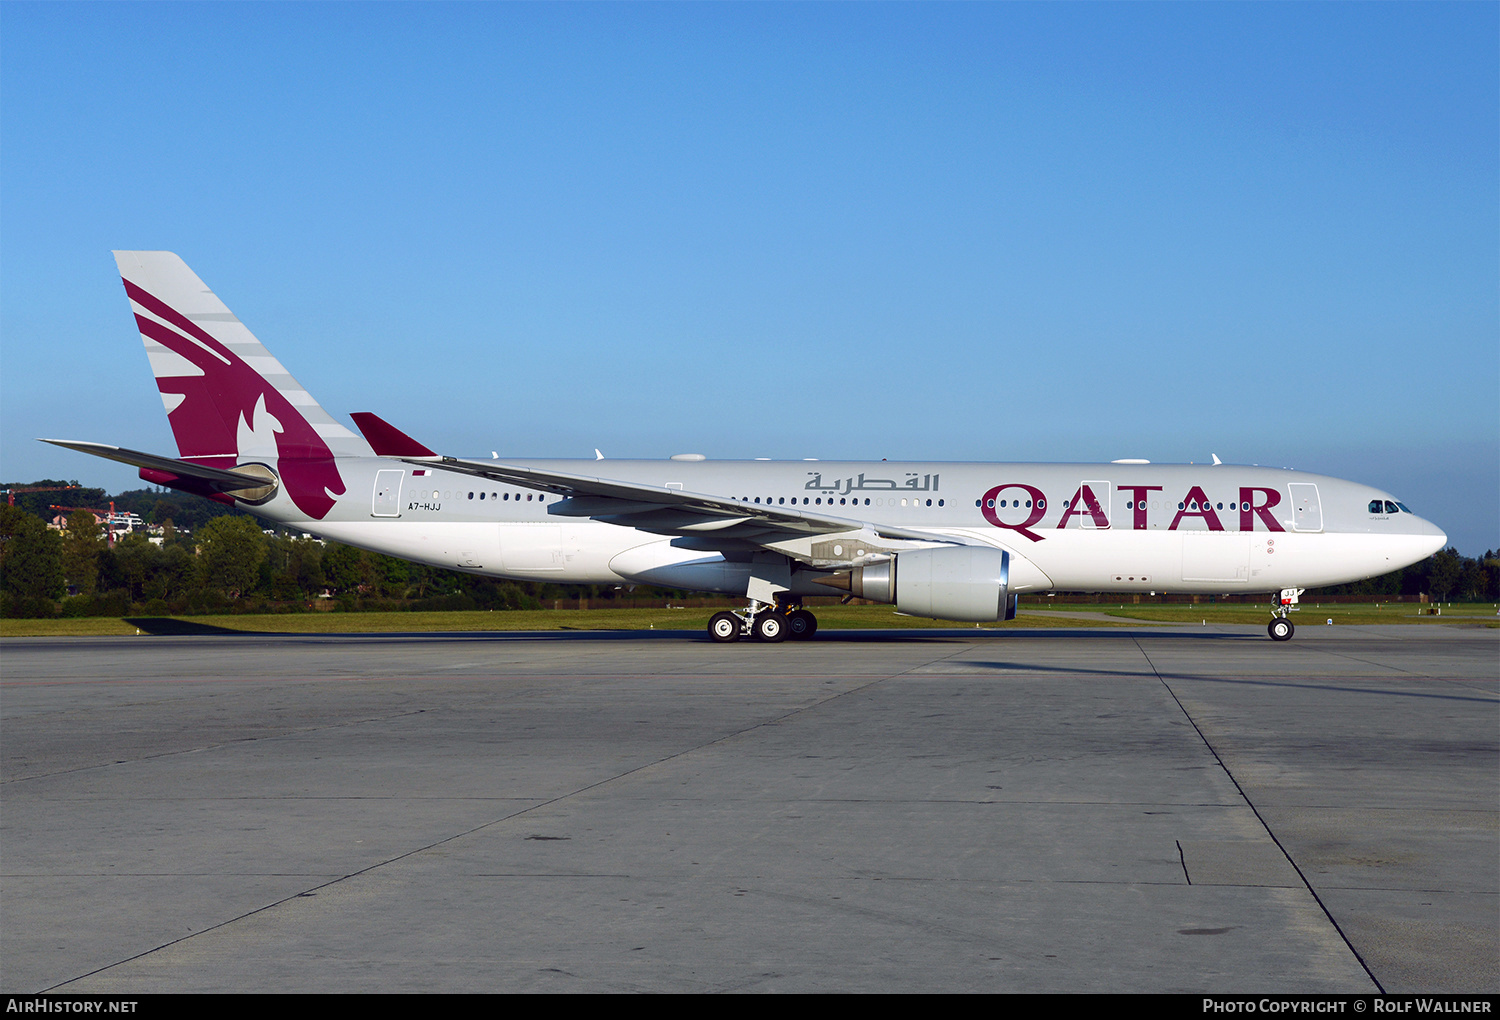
pixel 1280 628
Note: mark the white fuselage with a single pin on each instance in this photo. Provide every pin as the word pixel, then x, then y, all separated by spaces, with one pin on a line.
pixel 1110 527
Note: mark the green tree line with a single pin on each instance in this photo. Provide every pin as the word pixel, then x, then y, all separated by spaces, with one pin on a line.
pixel 229 565
pixel 226 563
pixel 1446 576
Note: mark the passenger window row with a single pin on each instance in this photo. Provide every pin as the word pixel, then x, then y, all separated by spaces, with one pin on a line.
pixel 1041 504
pixel 498 496
pixel 843 501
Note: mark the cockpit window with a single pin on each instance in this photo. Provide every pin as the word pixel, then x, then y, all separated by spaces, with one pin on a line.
pixel 1375 507
pixel 1404 508
pixel 1392 508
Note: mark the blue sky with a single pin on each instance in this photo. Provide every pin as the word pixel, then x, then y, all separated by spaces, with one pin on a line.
pixel 961 232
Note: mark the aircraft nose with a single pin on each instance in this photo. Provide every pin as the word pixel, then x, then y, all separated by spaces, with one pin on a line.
pixel 1437 539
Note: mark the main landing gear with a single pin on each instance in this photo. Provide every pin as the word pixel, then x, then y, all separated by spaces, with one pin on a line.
pixel 764 622
pixel 1280 628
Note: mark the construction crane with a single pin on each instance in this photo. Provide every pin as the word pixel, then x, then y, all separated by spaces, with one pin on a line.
pixel 10 494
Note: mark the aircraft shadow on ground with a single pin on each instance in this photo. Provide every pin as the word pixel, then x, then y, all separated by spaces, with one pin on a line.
pixel 696 637
pixel 903 636
pixel 1150 630
pixel 170 627
pixel 165 625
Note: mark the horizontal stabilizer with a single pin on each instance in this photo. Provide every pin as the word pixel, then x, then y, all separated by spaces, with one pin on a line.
pixel 253 484
pixel 386 439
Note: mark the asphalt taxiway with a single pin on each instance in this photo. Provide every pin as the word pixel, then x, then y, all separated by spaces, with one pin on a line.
pixel 1173 808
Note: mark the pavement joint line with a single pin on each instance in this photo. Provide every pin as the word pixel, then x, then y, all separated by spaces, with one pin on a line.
pixel 1356 658
pixel 1261 819
pixel 1344 688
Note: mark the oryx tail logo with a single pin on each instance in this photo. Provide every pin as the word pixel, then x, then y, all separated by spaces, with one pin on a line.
pixel 226 408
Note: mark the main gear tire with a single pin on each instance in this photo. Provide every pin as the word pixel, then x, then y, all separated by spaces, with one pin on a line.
pixel 801 625
pixel 724 627
pixel 770 626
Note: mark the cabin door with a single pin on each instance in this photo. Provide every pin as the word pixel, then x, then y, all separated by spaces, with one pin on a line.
pixel 387 499
pixel 1095 499
pixel 1307 510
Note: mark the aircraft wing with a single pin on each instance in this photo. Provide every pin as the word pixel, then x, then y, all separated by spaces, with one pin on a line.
pixel 700 521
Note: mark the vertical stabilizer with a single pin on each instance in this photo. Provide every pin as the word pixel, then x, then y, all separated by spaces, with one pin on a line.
pixel 228 399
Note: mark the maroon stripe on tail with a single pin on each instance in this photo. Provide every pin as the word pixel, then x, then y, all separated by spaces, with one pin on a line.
pixel 207 420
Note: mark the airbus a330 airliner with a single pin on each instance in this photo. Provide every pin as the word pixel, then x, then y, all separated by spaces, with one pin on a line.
pixel 953 541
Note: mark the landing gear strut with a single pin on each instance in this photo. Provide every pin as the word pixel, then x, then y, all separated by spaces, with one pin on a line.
pixel 1280 628
pixel 764 622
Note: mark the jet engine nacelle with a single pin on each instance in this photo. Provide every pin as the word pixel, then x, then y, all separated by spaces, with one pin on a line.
pixel 962 582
